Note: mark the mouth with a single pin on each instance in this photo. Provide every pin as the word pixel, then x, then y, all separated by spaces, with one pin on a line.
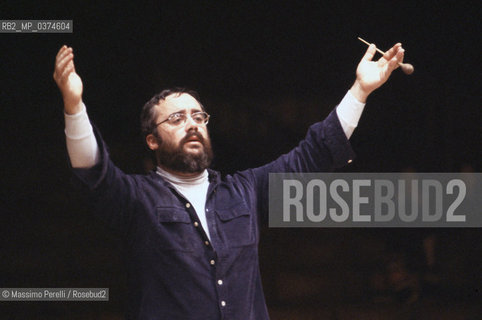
pixel 193 143
pixel 193 139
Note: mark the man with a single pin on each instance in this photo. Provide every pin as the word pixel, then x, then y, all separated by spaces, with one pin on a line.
pixel 192 235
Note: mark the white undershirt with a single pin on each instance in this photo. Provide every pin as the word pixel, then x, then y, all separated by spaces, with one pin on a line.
pixel 349 112
pixel 84 152
pixel 81 143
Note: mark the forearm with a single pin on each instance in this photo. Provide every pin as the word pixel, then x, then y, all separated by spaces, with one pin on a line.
pixel 81 143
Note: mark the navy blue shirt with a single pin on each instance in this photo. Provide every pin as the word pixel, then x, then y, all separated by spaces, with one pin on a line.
pixel 174 270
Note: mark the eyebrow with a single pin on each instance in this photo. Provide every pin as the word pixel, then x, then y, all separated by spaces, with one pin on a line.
pixel 194 110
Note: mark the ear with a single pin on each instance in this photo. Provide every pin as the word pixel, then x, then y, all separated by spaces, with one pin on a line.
pixel 152 142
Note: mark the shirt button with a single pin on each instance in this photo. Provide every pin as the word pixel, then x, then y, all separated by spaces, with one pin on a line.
pixel 207 210
pixel 212 262
pixel 223 303
pixel 196 224
pixel 188 205
pixel 206 243
pixel 220 282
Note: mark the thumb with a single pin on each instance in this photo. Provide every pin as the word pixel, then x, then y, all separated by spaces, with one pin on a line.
pixel 370 53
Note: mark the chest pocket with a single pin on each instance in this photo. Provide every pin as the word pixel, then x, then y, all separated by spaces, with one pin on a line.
pixel 236 226
pixel 175 229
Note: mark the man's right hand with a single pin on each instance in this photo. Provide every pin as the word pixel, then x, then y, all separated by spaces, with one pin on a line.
pixel 68 80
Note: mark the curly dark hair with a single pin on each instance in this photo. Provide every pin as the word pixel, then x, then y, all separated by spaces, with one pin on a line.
pixel 149 112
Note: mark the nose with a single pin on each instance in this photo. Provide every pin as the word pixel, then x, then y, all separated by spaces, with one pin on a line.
pixel 191 124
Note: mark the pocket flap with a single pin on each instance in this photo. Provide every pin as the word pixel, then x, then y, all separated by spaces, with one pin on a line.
pixel 235 211
pixel 172 215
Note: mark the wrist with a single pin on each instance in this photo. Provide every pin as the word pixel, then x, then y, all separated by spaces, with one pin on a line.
pixel 359 93
pixel 73 107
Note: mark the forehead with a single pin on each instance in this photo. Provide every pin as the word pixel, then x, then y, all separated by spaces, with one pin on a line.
pixel 178 102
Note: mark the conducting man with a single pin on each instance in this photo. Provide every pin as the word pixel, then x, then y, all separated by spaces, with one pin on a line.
pixel 192 235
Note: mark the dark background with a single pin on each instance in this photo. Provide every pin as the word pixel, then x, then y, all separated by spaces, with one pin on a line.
pixel 265 71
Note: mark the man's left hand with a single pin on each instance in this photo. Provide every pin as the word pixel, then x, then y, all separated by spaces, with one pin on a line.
pixel 370 75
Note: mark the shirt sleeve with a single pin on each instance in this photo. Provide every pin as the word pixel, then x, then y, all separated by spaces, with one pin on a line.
pixel 349 112
pixel 81 143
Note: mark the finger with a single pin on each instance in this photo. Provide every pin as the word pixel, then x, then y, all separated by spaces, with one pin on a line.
pixel 392 52
pixel 62 49
pixel 60 68
pixel 58 58
pixel 62 53
pixel 396 60
pixel 392 65
pixel 400 54
pixel 63 62
pixel 67 71
pixel 370 53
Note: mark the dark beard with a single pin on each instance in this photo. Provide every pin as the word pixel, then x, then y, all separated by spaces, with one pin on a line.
pixel 176 159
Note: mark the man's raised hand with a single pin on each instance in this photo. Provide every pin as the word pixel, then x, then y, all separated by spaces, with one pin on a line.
pixel 370 75
pixel 68 80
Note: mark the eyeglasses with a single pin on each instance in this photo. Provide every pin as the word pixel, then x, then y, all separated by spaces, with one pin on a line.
pixel 180 118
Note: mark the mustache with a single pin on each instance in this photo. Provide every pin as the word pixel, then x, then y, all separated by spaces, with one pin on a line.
pixel 189 135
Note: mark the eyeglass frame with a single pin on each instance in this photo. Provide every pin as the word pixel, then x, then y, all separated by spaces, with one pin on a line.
pixel 186 115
